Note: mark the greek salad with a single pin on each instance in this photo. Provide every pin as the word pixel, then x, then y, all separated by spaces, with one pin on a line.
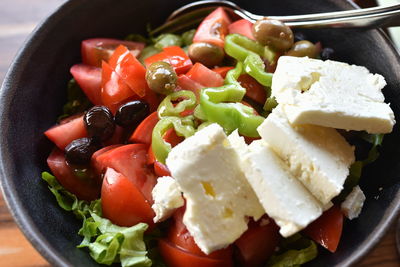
pixel 232 144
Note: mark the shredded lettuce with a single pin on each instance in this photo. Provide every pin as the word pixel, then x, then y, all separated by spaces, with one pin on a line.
pixel 294 251
pixel 107 242
pixel 167 39
pixel 77 100
pixel 187 37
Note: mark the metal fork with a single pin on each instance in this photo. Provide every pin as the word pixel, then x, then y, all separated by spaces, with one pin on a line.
pixel 193 13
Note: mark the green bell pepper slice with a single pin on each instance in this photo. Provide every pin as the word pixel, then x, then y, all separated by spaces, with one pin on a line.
pixel 167 108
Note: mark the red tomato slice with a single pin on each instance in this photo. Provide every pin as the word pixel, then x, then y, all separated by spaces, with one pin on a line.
pixel 171 137
pixel 94 51
pixel 204 76
pixel 222 71
pixel 176 257
pixel 130 70
pixel 161 169
pixel 254 90
pixel 143 132
pixel 131 162
pixel 243 27
pixel 180 237
pixel 151 159
pixel 214 28
pixel 173 55
pixel 122 203
pixel 66 132
pixel 114 90
pixel 189 84
pixel 89 80
pixel 94 160
pixel 258 243
pixel 327 229
pixel 86 188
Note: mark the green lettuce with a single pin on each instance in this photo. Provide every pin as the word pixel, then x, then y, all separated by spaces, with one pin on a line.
pixel 107 242
pixel 294 251
pixel 77 100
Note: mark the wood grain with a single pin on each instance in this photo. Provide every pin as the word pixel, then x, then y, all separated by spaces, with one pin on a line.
pixel 17 18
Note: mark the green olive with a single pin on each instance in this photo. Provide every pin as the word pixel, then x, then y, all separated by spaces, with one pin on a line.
pixel 161 77
pixel 303 48
pixel 207 54
pixel 274 34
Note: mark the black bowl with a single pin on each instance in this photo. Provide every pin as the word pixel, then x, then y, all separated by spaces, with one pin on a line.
pixel 34 92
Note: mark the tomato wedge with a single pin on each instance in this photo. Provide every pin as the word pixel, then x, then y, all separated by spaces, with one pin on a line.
pixel 327 229
pixel 186 83
pixel 89 80
pixel 258 243
pixel 143 132
pixel 222 71
pixel 94 51
pixel 114 90
pixel 161 169
pixel 67 131
pixel 98 168
pixel 254 90
pixel 85 188
pixel 122 203
pixel 243 27
pixel 180 237
pixel 173 55
pixel 130 70
pixel 131 162
pixel 204 76
pixel 213 28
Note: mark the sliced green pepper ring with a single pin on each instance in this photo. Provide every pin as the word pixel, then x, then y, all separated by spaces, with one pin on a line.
pixel 161 148
pixel 167 107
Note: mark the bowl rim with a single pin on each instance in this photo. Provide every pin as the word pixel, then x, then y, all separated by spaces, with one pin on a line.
pixel 20 215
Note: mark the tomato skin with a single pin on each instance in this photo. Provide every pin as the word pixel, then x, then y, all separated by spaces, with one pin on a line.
pixel 222 70
pixel 243 27
pixel 254 90
pixel 94 51
pixel 176 257
pixel 257 244
pixel 122 202
pixel 130 70
pixel 89 80
pixel 87 188
pixel 131 162
pixel 143 132
pixel 114 90
pixel 186 83
pixel 173 55
pixel 94 160
pixel 161 169
pixel 327 229
pixel 213 28
pixel 204 76
pixel 63 134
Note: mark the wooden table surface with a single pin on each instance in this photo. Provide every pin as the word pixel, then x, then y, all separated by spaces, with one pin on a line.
pixel 17 19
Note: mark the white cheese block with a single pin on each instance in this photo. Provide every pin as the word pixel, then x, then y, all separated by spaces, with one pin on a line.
pixel 318 156
pixel 167 198
pixel 353 203
pixel 219 199
pixel 332 94
pixel 283 197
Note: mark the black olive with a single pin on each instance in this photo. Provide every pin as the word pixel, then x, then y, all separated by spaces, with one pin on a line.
pixel 131 113
pixel 299 36
pixel 79 151
pixel 327 53
pixel 99 122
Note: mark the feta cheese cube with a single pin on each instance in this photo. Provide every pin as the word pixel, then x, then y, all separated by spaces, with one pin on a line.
pixel 353 203
pixel 318 156
pixel 283 197
pixel 219 199
pixel 167 198
pixel 331 94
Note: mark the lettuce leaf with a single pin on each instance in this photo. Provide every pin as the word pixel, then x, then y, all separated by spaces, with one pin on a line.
pixel 107 242
pixel 296 250
pixel 77 100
